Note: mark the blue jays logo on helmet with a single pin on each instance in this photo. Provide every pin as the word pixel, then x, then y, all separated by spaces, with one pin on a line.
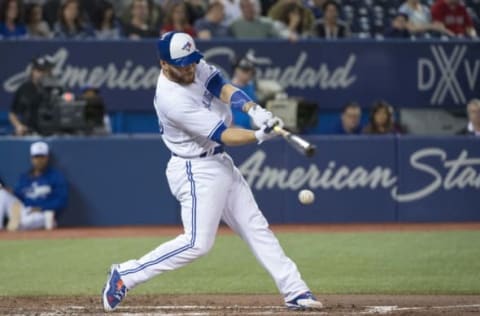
pixel 187 46
pixel 178 49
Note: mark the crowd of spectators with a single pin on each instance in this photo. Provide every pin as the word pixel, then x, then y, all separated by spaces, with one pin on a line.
pixel 207 19
pixel 383 120
pixel 212 19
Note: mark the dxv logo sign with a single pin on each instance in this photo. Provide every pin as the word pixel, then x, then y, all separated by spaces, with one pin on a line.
pixel 444 73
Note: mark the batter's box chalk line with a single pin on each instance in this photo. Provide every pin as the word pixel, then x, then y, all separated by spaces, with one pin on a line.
pixel 394 308
pixel 202 310
pixel 193 310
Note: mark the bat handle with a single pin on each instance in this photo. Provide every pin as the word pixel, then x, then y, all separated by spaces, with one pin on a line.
pixel 281 131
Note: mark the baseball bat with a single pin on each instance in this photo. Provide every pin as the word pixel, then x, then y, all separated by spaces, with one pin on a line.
pixel 300 144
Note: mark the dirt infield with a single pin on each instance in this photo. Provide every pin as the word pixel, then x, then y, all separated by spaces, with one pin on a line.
pixel 155 231
pixel 200 305
pixel 244 305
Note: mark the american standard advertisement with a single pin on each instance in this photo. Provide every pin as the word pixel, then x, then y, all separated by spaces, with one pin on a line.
pixel 460 172
pixel 406 74
pixel 359 179
pixel 408 178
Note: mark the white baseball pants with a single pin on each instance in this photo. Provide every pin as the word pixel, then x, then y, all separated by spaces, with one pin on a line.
pixel 28 219
pixel 210 189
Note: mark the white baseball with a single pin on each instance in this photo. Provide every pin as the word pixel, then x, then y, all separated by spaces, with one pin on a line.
pixel 306 197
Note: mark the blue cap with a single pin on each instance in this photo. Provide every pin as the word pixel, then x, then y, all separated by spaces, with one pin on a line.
pixel 178 49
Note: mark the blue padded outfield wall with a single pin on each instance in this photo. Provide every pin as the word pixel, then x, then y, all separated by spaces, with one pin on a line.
pixel 121 180
pixel 331 73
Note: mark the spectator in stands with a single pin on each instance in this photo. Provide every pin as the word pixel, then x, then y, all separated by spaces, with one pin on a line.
pixel 251 25
pixel 265 6
pixel 28 97
pixel 244 78
pixel 36 26
pixel 88 9
pixel 454 16
pixel 122 8
pixel 177 19
pixel 11 20
pixel 139 24
pixel 420 19
pixel 50 12
pixel 70 23
pixel 300 19
pixel 211 25
pixel 473 113
pixel 293 21
pixel 316 6
pixel 330 26
pixel 104 21
pixel 39 197
pixel 350 120
pixel 232 11
pixel 399 27
pixel 196 9
pixel 156 13
pixel 382 120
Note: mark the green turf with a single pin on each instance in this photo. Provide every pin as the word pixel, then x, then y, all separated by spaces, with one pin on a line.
pixel 407 262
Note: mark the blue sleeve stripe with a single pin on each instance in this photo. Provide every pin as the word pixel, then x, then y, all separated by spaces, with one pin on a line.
pixel 238 100
pixel 214 129
pixel 216 134
pixel 210 77
pixel 215 83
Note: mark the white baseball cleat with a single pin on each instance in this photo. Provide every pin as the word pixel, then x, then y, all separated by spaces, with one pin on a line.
pixel 305 301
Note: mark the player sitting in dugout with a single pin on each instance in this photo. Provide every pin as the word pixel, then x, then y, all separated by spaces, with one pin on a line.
pixel 39 196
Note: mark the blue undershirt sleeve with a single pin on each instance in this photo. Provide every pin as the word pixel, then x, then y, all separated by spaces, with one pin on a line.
pixel 238 100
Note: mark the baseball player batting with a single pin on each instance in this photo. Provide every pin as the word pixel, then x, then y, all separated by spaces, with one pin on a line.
pixel 192 102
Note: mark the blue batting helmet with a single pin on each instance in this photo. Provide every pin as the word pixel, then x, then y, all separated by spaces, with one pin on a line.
pixel 178 49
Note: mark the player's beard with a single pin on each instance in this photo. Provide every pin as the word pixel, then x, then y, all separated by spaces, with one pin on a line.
pixel 183 76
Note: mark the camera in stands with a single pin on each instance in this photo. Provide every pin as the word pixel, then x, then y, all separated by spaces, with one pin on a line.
pixel 61 113
pixel 297 113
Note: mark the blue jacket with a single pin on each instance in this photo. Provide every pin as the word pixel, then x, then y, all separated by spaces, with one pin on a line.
pixel 48 191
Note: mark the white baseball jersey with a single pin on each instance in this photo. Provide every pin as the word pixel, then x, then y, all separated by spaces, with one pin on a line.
pixel 209 188
pixel 188 115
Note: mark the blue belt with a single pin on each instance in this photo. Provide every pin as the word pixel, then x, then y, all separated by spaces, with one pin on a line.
pixel 216 150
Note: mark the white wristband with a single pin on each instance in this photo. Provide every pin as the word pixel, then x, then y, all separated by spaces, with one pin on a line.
pixel 251 110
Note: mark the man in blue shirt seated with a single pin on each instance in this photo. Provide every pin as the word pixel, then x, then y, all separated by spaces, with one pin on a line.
pixel 39 196
pixel 349 120
pixel 210 26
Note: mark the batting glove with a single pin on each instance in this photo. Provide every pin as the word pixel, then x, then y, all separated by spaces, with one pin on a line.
pixel 259 115
pixel 266 131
